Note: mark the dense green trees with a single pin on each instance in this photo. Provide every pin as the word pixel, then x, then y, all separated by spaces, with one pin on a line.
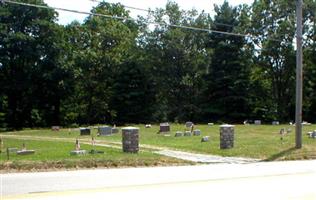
pixel 229 75
pixel 28 52
pixel 122 71
pixel 273 22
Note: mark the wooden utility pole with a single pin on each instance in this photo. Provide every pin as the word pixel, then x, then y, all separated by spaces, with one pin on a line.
pixel 299 75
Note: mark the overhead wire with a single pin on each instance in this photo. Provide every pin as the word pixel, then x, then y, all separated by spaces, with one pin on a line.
pixel 132 19
pixel 129 7
pixel 148 10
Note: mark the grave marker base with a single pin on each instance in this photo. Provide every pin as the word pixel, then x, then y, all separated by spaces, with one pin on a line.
pixel 25 152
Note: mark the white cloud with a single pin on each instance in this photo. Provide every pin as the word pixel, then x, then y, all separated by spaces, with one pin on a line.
pixel 86 5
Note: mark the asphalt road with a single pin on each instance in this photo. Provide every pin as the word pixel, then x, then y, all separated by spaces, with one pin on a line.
pixel 264 180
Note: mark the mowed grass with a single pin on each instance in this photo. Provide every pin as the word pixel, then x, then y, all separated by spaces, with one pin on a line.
pixel 56 154
pixel 254 141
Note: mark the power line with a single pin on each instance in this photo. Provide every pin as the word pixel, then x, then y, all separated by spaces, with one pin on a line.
pixel 129 7
pixel 132 19
pixel 148 10
pixel 68 10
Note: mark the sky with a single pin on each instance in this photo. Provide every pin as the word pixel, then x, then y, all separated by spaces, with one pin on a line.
pixel 86 5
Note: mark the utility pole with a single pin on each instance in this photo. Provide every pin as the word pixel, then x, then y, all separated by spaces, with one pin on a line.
pixel 299 75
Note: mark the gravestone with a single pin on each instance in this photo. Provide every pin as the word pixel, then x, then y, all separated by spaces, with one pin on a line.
pixel 85 131
pixel 130 139
pixel 55 128
pixel 178 134
pixel 226 136
pixel 115 130
pixel 93 151
pixel 78 152
pixel 282 133
pixel 304 123
pixel 104 130
pixel 187 133
pixel 188 124
pixel 1 144
pixel 313 135
pixel 197 132
pixel 210 124
pixel 246 122
pixel 205 139
pixel 164 127
pixel 148 126
pixel 275 123
pixel 289 130
pixel 77 145
pixel 257 122
pixel 25 152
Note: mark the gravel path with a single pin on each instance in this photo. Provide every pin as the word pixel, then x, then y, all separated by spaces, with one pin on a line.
pixel 203 158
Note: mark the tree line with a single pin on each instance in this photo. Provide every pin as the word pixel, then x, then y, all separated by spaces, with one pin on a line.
pixel 107 70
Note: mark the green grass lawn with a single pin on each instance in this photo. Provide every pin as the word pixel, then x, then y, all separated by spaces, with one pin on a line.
pixel 52 154
pixel 252 141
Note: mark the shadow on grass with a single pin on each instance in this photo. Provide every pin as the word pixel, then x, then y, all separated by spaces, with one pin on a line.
pixel 281 154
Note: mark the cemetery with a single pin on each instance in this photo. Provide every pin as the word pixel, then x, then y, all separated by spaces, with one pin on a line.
pixel 133 144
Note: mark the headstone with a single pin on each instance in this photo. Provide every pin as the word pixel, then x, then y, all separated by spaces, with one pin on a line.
pixel 148 126
pixel 197 132
pixel 104 130
pixel 25 152
pixel 178 134
pixel 210 124
pixel 77 145
pixel 304 123
pixel 188 124
pixel 275 123
pixel 246 122
pixel 164 127
pixel 85 131
pixel 55 128
pixel 93 151
pixel 23 147
pixel 289 130
pixel 192 128
pixel 78 152
pixel 226 136
pixel 187 133
pixel 257 122
pixel 205 139
pixel 93 142
pixel 130 139
pixel 1 144
pixel 313 135
pixel 282 133
pixel 115 130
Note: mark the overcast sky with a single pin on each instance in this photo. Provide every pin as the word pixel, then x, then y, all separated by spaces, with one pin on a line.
pixel 86 5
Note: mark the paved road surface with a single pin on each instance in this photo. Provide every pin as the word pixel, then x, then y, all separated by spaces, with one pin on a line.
pixel 272 180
